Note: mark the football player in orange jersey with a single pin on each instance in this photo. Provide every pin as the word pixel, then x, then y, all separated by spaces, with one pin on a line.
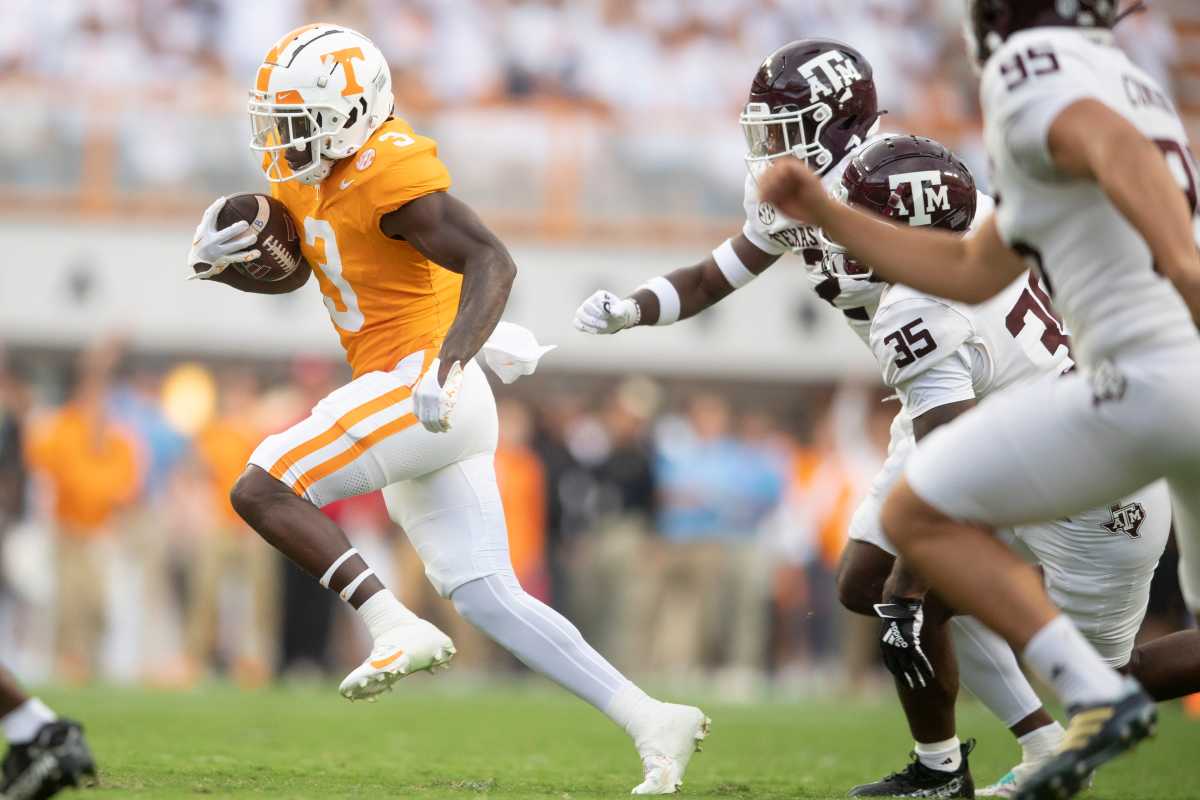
pixel 415 285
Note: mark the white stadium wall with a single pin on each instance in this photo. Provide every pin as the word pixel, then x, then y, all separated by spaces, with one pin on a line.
pixel 60 286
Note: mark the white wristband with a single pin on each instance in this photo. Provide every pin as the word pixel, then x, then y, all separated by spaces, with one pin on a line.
pixel 668 300
pixel 731 265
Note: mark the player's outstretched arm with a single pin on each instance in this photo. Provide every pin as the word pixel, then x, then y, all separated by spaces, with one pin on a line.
pixel 678 295
pixel 446 231
pixel 969 269
pixel 1089 140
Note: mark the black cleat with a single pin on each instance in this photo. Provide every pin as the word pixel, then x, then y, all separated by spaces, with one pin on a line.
pixel 57 758
pixel 918 780
pixel 1096 735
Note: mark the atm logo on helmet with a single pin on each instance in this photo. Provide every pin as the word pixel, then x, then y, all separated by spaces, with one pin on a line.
pixel 830 73
pixel 927 192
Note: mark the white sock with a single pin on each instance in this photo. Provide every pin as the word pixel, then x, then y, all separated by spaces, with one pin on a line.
pixel 382 612
pixel 23 722
pixel 942 756
pixel 628 705
pixel 1042 743
pixel 1060 656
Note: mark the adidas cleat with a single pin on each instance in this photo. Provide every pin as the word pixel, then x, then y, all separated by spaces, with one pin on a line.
pixel 671 734
pixel 56 759
pixel 1096 735
pixel 918 780
pixel 413 647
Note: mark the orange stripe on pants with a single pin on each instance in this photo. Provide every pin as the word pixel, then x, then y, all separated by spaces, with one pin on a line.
pixel 343 424
pixel 327 468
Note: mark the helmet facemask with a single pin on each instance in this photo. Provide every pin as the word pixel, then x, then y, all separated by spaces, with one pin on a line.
pixel 296 137
pixel 838 262
pixel 787 132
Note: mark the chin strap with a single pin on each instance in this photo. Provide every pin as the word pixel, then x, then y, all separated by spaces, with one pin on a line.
pixel 1137 8
pixel 319 174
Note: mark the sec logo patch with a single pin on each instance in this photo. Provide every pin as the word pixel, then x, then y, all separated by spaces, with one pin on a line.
pixel 766 213
pixel 365 159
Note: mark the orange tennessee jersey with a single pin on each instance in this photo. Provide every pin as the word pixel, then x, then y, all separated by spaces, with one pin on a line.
pixel 385 299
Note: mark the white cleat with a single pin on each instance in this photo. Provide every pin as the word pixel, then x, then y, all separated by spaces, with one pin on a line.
pixel 1014 779
pixel 1010 783
pixel 405 649
pixel 666 740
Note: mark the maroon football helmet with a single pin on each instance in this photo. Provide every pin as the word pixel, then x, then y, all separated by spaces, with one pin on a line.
pixel 907 179
pixel 814 99
pixel 991 22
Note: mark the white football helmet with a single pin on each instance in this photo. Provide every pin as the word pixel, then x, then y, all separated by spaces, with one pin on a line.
pixel 320 93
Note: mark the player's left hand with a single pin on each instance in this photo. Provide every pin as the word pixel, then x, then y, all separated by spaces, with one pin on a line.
pixel 795 190
pixel 900 641
pixel 434 397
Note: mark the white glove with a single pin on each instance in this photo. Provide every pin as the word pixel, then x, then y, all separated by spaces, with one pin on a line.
pixel 220 248
pixel 604 312
pixel 433 403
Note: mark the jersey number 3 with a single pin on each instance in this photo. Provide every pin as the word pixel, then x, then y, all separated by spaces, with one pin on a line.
pixel 342 302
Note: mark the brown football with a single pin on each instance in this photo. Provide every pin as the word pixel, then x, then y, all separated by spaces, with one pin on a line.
pixel 278 237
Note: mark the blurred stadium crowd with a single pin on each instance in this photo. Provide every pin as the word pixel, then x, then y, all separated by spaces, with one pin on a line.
pixel 690 532
pixel 593 109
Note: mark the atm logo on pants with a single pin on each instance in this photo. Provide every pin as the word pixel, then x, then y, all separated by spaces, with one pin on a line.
pixel 1127 519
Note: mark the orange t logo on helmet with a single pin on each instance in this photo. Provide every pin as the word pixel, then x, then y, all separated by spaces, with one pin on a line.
pixel 344 57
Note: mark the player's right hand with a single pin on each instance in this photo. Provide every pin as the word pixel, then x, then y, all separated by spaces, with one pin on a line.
pixel 900 641
pixel 795 190
pixel 604 313
pixel 220 248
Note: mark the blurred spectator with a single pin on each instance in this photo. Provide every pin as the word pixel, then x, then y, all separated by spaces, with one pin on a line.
pixel 13 472
pixel 228 552
pixel 146 542
pixel 522 481
pixel 609 583
pixel 90 469
pixel 804 538
pixel 714 493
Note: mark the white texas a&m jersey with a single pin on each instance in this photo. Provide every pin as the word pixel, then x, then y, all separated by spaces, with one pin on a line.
pixel 1094 264
pixel 772 232
pixel 935 352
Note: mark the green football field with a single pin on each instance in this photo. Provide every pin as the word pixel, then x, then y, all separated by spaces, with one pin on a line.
pixel 435 738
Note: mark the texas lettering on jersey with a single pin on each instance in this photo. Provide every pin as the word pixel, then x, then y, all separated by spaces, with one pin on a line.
pixel 385 299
